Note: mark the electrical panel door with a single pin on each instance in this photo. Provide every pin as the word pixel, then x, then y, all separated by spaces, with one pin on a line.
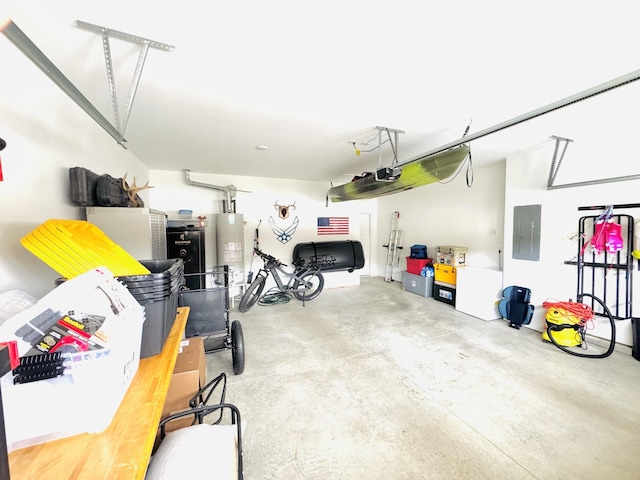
pixel 526 232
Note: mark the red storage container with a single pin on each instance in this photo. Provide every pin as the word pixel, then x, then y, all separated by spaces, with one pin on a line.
pixel 415 265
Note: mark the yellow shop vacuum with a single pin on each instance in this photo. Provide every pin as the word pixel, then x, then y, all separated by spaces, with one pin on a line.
pixel 566 328
pixel 567 324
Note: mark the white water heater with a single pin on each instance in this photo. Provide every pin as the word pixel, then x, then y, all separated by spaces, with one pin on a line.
pixel 229 244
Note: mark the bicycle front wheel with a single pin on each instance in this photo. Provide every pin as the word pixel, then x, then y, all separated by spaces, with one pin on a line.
pixel 252 294
pixel 309 286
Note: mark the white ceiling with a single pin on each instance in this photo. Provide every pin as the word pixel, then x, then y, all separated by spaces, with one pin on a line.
pixel 305 79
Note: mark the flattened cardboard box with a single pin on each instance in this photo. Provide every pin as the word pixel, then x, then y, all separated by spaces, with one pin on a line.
pixel 189 375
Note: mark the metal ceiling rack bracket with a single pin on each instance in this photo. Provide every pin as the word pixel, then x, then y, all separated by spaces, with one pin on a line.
pixel 624 178
pixel 555 161
pixel 33 53
pixel 555 166
pixel 145 44
pixel 388 174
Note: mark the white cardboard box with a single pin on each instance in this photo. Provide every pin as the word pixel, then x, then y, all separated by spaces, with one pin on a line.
pixel 87 396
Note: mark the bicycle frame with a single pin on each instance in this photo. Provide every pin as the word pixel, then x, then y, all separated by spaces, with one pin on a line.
pixel 304 283
pixel 271 266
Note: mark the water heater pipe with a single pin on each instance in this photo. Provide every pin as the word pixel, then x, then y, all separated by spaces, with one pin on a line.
pixel 229 190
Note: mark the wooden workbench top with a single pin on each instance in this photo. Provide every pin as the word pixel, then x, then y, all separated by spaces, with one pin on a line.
pixel 123 449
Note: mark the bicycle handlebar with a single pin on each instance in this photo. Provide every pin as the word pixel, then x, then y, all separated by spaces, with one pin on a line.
pixel 266 257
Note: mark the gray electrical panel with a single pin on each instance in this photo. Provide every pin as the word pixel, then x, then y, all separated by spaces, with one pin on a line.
pixel 526 232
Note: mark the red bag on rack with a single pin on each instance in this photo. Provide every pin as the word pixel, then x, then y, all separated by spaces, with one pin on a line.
pixel 607 237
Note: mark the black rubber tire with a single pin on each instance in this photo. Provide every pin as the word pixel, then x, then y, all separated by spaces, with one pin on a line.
pixel 237 347
pixel 317 281
pixel 252 294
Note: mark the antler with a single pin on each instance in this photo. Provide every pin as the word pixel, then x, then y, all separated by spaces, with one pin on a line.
pixel 277 206
pixel 133 190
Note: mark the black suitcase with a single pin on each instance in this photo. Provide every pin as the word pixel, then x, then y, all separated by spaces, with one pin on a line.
pixel 331 256
pixel 109 193
pixel 83 184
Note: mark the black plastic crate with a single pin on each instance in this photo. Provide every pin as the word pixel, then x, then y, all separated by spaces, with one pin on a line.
pixel 159 318
pixel 152 280
pixel 154 293
pixel 444 293
pixel 161 270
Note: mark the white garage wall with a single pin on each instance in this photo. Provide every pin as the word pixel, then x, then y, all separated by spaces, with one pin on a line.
pixel 449 214
pixel 550 279
pixel 255 200
pixel 46 134
pixel 453 214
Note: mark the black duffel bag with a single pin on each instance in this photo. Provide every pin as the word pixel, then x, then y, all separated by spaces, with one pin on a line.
pixel 331 256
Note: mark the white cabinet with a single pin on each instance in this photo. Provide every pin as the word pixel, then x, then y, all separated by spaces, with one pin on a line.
pixel 142 232
pixel 478 291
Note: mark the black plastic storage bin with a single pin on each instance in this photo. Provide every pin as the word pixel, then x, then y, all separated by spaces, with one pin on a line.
pixel 331 256
pixel 160 270
pixel 159 318
pixel 157 292
pixel 444 293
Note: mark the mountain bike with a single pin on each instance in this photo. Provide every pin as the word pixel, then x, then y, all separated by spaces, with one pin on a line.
pixel 304 283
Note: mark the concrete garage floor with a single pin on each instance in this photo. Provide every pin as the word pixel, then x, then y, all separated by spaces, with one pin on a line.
pixel 372 382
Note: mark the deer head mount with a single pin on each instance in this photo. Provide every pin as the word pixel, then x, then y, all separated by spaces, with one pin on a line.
pixel 283 210
pixel 132 192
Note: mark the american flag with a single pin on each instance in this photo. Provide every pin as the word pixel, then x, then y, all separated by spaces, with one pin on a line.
pixel 333 225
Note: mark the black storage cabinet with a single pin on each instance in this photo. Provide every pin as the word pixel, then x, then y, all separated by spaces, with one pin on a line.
pixel 187 243
pixel 331 256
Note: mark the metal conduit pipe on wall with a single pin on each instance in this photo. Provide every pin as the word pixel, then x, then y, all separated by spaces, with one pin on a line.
pixel 229 191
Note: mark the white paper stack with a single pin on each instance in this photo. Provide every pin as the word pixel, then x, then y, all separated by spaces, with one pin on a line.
pixel 97 325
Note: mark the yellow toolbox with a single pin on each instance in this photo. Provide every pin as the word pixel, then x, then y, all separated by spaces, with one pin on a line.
pixel 444 273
